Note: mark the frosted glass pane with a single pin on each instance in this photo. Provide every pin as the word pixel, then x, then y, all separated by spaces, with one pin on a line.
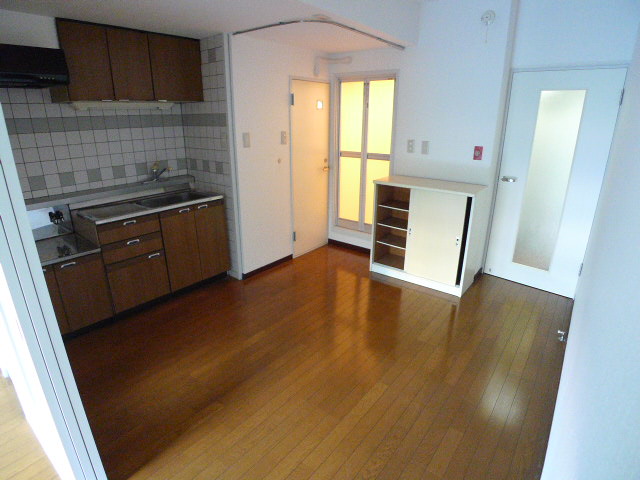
pixel 349 189
pixel 351 108
pixel 375 169
pixel 380 118
pixel 554 145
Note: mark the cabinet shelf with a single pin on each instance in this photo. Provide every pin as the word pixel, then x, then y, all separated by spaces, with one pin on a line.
pixel 391 260
pixel 393 241
pixel 394 222
pixel 396 205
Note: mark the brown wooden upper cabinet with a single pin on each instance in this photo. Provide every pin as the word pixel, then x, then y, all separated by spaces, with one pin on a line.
pixel 112 63
pixel 130 64
pixel 175 63
pixel 87 53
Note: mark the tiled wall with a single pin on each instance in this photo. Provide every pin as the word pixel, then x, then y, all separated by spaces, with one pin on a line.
pixel 59 150
pixel 206 134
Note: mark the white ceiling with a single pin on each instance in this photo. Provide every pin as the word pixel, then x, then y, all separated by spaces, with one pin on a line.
pixel 202 18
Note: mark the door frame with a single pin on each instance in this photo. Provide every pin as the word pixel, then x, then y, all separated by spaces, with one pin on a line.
pixel 39 327
pixel 290 141
pixel 503 132
pixel 337 232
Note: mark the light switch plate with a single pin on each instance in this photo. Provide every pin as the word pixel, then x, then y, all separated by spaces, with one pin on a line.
pixel 425 147
pixel 283 138
pixel 246 140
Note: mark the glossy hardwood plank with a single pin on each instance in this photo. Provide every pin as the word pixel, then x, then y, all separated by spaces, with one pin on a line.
pixel 313 369
pixel 21 456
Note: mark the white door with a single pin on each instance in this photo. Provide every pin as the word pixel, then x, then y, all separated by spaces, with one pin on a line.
pixel 559 129
pixel 436 223
pixel 309 164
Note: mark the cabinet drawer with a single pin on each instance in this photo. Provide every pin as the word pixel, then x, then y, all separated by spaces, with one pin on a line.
pixel 132 247
pixel 125 229
pixel 138 280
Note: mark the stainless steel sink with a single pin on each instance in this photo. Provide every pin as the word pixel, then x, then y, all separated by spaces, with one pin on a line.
pixel 171 199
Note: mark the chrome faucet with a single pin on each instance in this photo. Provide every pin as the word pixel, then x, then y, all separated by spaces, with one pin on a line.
pixel 156 172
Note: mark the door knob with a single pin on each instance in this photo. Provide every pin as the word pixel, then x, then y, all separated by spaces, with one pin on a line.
pixel 509 179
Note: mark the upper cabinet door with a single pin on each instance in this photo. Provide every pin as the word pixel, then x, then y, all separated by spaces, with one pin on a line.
pixel 175 63
pixel 130 64
pixel 87 54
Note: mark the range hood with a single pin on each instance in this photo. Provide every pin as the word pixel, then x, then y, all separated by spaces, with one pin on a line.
pixel 32 67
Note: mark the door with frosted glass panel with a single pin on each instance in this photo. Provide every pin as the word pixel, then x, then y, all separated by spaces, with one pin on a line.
pixel 559 129
pixel 365 137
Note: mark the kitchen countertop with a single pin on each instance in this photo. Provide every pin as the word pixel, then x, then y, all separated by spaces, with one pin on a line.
pixel 123 211
pixel 64 247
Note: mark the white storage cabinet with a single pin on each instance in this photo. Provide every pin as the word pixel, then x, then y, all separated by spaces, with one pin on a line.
pixel 424 232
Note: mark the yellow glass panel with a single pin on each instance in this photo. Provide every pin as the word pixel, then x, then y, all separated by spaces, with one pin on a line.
pixel 351 108
pixel 380 119
pixel 375 169
pixel 349 189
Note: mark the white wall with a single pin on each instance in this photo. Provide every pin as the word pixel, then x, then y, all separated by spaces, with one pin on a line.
pixel 260 87
pixel 397 20
pixel 26 29
pixel 596 425
pixel 575 32
pixel 451 87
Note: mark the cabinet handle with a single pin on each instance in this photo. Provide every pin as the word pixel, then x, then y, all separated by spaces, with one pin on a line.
pixel 133 242
pixel 154 255
pixel 65 265
pixel 44 270
pixel 129 222
pixel 184 210
pixel 200 207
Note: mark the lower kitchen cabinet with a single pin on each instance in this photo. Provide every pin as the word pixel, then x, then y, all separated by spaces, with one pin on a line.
pixel 84 290
pixel 195 242
pixel 181 246
pixel 56 299
pixel 213 245
pixel 138 280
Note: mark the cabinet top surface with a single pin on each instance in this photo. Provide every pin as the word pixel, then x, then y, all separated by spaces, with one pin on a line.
pixel 431 184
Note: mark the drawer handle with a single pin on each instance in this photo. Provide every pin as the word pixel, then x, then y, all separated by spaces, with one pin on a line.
pixel 184 210
pixel 133 242
pixel 129 222
pixel 154 255
pixel 200 207
pixel 65 265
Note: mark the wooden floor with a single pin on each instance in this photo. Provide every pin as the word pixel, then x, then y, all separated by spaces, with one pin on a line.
pixel 315 370
pixel 21 456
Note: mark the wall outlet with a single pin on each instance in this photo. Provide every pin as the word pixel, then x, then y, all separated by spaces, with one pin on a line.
pixel 411 146
pixel 477 153
pixel 246 140
pixel 425 147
